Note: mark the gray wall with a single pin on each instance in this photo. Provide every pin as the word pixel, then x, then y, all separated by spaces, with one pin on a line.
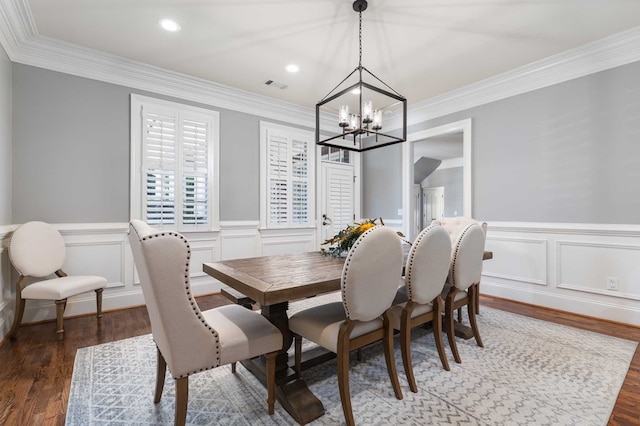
pixel 382 182
pixel 452 181
pixel 71 151
pixel 568 153
pixel 5 139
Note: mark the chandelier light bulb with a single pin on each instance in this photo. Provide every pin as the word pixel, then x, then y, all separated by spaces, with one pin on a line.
pixel 377 120
pixel 353 122
pixel 343 117
pixel 367 112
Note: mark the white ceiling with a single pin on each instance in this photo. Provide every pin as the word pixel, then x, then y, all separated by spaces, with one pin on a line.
pixel 421 48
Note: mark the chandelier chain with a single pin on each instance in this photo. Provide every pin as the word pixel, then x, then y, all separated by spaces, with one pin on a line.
pixel 360 39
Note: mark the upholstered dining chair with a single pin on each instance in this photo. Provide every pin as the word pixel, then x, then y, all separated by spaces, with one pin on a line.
pixel 464 276
pixel 189 340
pixel 37 250
pixel 455 225
pixel 368 285
pixel 419 300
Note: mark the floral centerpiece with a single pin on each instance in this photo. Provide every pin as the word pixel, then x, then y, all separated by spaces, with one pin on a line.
pixel 344 240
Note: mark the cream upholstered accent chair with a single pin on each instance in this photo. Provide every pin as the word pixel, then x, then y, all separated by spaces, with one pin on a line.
pixel 455 225
pixel 369 282
pixel 419 300
pixel 37 250
pixel 464 275
pixel 189 340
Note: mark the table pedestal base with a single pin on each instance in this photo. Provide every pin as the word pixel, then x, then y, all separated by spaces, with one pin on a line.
pixel 291 392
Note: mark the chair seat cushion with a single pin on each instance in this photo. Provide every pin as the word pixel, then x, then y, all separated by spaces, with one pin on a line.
pixel 400 302
pixel 321 325
pixel 243 333
pixel 61 288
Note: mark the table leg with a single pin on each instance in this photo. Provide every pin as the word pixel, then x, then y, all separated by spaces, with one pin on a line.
pixel 291 392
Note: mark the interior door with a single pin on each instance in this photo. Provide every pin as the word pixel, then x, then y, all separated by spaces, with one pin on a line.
pixel 337 204
pixel 432 204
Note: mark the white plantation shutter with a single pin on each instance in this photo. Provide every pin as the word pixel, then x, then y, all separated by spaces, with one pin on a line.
pixel 278 176
pixel 287 172
pixel 341 199
pixel 195 168
pixel 299 181
pixel 160 163
pixel 177 147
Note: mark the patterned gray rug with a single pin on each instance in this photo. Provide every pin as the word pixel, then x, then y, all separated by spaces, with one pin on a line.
pixel 530 372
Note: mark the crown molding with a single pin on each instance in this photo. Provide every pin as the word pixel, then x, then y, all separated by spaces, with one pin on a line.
pixel 610 52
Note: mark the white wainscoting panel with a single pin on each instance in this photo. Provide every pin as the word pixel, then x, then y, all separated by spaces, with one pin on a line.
pixel 7 285
pixel 287 241
pixel 520 259
pixel 565 267
pixel 586 266
pixel 239 239
pixel 81 260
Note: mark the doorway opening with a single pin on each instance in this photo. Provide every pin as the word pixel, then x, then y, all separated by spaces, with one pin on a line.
pixel 448 151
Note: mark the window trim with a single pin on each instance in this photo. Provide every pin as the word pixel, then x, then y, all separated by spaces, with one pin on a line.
pixel 307 136
pixel 136 195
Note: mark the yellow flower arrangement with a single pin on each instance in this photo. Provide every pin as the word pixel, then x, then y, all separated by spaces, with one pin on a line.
pixel 344 240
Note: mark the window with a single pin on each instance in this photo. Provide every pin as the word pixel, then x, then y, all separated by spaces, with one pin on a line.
pixel 174 165
pixel 287 177
pixel 338 155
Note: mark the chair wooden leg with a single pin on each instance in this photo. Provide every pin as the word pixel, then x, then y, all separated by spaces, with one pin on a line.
pixel 460 315
pixel 471 309
pixel 343 371
pixel 161 369
pixel 60 306
pixel 17 318
pixel 389 353
pixel 448 319
pixel 99 304
pixel 437 332
pixel 182 399
pixel 271 381
pixel 233 367
pixel 405 347
pixel 297 354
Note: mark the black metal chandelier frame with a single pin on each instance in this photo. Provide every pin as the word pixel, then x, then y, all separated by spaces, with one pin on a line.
pixel 363 127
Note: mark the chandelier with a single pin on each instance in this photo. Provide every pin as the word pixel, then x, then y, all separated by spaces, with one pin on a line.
pixel 361 107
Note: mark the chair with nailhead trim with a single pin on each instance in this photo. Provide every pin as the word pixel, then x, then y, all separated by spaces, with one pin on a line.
pixel 465 272
pixel 189 340
pixel 419 300
pixel 368 285
pixel 37 250
pixel 454 225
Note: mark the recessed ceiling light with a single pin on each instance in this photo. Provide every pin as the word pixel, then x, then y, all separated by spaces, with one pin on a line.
pixel 356 91
pixel 292 68
pixel 170 25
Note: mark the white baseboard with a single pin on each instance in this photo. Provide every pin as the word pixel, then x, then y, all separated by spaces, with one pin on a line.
pixel 574 303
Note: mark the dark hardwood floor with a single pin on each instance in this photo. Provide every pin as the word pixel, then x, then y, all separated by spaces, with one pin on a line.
pixel 35 369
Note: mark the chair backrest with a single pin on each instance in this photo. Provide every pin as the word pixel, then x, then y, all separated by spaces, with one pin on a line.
pixel 428 264
pixel 466 258
pixel 162 260
pixel 371 274
pixel 36 249
pixel 455 225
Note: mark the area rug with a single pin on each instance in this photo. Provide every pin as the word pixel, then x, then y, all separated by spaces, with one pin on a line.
pixel 530 372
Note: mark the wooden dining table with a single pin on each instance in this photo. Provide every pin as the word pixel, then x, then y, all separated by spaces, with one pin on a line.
pixel 273 282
